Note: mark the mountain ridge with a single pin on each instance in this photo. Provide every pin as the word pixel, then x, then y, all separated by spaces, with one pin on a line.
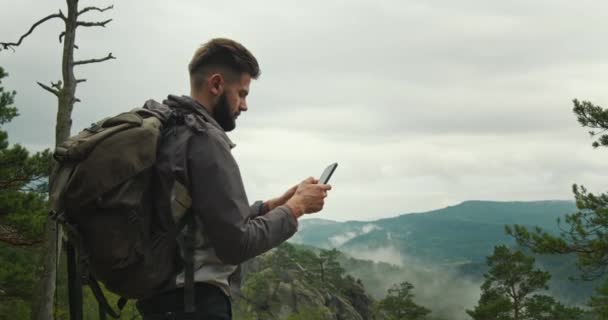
pixel 314 219
pixel 456 238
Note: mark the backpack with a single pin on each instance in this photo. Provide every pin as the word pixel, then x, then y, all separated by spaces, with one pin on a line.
pixel 99 193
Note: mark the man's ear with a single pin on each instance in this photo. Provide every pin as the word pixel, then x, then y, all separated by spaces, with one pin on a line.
pixel 216 84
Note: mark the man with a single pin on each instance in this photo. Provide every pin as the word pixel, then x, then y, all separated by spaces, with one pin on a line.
pixel 198 154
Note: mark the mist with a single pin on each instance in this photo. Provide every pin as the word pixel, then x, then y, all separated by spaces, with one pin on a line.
pixel 446 293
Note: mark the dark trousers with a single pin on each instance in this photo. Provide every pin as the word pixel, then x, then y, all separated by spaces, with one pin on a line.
pixel 211 304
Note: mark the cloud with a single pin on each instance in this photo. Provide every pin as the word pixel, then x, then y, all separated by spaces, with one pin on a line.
pixel 340 239
pixel 448 294
pixel 423 104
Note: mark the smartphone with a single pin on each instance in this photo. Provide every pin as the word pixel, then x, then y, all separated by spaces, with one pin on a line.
pixel 327 173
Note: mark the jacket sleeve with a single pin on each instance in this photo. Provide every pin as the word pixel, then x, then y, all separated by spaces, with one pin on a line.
pixel 219 198
pixel 256 209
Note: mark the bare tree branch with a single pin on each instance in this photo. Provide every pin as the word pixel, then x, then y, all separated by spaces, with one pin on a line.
pixel 93 24
pixel 61 35
pixel 57 85
pixel 95 9
pixel 109 57
pixel 7 45
pixel 49 89
pixel 81 80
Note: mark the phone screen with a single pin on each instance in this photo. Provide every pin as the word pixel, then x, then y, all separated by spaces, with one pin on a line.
pixel 327 173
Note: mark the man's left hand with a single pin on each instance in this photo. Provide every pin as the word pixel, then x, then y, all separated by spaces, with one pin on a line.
pixel 279 201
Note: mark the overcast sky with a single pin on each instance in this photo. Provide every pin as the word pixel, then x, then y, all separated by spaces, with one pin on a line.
pixel 423 104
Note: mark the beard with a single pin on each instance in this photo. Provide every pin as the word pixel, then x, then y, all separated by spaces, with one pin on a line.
pixel 222 113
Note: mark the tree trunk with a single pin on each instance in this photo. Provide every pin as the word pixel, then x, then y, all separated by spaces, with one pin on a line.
pixel 43 309
pixel 517 310
pixel 67 96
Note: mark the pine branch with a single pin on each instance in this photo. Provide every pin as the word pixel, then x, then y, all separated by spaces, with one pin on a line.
pixel 108 57
pixel 93 24
pixel 87 9
pixel 10 45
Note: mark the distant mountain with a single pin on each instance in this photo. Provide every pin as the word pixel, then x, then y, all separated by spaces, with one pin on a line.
pixel 456 239
pixel 466 232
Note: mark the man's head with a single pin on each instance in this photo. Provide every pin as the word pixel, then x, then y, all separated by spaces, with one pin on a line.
pixel 220 73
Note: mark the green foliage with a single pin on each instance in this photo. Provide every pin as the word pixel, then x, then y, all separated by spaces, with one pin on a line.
pixel 318 313
pixel 258 288
pixel 586 231
pixel 586 234
pixel 331 271
pixel 492 306
pixel 14 309
pixel 7 98
pixel 22 215
pixel 286 283
pixel 17 271
pixel 599 302
pixel 509 287
pixel 542 307
pixel 512 274
pixel 18 275
pixel 594 117
pixel 399 305
pixel 22 182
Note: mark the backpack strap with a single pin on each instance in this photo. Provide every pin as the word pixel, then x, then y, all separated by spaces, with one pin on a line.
pixel 104 305
pixel 74 283
pixel 189 294
pixel 181 204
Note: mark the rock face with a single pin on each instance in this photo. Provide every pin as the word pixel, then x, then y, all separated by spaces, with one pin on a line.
pixel 288 293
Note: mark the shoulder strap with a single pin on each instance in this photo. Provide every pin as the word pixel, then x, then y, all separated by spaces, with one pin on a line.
pixel 74 283
pixel 189 294
pixel 181 204
pixel 104 305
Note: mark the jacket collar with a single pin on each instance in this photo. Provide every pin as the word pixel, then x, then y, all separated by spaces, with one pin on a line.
pixel 188 104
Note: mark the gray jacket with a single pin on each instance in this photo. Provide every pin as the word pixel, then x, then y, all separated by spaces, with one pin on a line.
pixel 228 230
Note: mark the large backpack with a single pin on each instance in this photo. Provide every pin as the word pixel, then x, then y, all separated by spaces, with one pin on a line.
pixel 100 192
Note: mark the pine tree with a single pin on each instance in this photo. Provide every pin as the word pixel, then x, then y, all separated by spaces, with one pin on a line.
pixel 510 291
pixel 585 232
pixel 23 182
pixel 399 305
pixel 23 187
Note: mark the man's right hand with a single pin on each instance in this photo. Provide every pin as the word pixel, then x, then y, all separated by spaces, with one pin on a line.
pixel 309 197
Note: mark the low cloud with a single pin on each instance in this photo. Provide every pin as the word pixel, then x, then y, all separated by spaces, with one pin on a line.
pixel 340 239
pixel 440 289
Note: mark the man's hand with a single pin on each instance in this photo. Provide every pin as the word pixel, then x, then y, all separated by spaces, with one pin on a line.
pixel 309 197
pixel 273 203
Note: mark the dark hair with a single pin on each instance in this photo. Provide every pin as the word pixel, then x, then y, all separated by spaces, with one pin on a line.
pixel 225 54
